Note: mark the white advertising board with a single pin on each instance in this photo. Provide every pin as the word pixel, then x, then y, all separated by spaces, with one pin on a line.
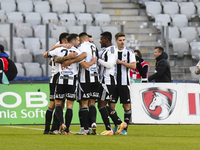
pixel 165 103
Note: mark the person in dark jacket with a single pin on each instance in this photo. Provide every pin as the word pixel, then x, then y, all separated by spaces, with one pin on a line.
pixel 162 68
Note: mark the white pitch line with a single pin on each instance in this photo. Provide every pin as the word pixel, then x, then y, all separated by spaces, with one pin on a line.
pixel 24 127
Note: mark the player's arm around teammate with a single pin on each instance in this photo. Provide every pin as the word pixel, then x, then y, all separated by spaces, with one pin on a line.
pixel 88 85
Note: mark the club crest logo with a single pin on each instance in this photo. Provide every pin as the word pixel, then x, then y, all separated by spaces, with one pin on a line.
pixel 158 103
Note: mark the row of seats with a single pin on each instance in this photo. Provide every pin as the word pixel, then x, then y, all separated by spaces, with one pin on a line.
pixel 58 6
pixel 24 34
pixel 31 69
pixel 25 30
pixel 186 8
pixel 142 2
pixel 35 18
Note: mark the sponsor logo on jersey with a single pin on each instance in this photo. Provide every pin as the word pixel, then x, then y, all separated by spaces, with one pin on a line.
pixel 69 95
pixel 93 69
pixel 86 95
pixel 95 94
pixel 67 73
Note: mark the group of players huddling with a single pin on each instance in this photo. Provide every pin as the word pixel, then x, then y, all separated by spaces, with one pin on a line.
pixel 81 72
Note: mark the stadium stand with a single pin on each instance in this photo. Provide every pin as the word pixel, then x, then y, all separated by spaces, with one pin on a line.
pixel 138 17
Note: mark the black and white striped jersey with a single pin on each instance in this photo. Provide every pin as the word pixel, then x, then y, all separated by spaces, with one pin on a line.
pixel 67 74
pixel 89 75
pixel 123 73
pixel 54 70
pixel 107 62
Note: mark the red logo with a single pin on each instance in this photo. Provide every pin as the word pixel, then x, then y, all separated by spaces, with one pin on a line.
pixel 158 103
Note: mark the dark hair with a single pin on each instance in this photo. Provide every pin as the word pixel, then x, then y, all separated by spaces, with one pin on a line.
pixel 1 48
pixel 138 52
pixel 107 35
pixel 90 36
pixel 71 37
pixel 160 49
pixel 82 34
pixel 63 36
pixel 119 34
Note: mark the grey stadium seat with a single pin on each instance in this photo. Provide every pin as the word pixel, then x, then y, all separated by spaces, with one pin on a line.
pixel 20 69
pixel 170 8
pixel 180 46
pixel 33 18
pixel 75 29
pixel 56 30
pixel 195 50
pixel 189 33
pixel 67 19
pixel 8 6
pixel 59 6
pixel 50 17
pixel 173 33
pixel 32 69
pixel 180 20
pixel 102 19
pixel 84 18
pixel 24 30
pixel 32 44
pixel 162 20
pixel 41 6
pixel 187 8
pixel 153 8
pixel 25 6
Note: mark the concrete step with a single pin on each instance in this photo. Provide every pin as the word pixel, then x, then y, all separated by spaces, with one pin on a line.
pixel 140 31
pixel 148 43
pixel 128 18
pixel 123 5
pixel 115 1
pixel 141 37
pixel 133 12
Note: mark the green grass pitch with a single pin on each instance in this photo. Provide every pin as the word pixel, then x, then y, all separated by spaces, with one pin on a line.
pixel 142 137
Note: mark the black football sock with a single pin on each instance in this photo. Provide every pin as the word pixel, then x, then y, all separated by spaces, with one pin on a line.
pixel 85 117
pixel 92 114
pixel 80 117
pixel 48 118
pixel 55 124
pixel 113 116
pixel 68 118
pixel 127 116
pixel 59 114
pixel 105 117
